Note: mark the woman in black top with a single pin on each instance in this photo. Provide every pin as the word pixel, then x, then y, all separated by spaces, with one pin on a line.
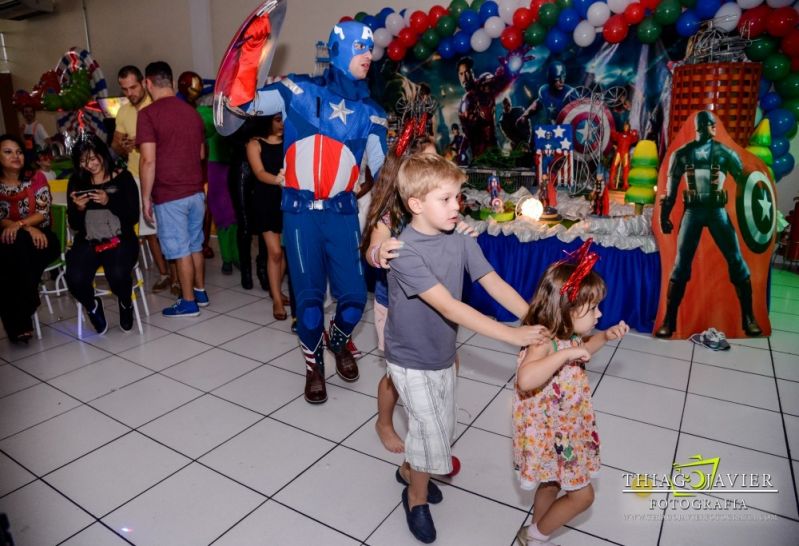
pixel 103 210
pixel 265 156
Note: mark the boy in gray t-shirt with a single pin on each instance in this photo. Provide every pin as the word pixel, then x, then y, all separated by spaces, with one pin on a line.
pixel 425 285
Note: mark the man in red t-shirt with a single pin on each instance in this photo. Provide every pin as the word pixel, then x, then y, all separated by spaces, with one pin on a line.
pixel 171 139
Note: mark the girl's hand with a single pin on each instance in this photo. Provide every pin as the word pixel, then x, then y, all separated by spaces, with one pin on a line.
pixel 466 229
pixel 80 200
pixel 280 177
pixel 9 234
pixel 39 238
pixel 579 354
pixel 99 196
pixel 388 251
pixel 617 332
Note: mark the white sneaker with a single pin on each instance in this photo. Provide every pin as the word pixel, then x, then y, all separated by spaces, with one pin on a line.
pixel 712 339
pixel 523 540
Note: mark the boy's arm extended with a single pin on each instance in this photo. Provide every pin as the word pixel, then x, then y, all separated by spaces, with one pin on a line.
pixel 439 298
pixel 504 294
pixel 541 363
pixel 598 340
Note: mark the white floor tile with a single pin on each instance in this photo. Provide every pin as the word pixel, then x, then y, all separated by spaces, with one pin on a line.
pixel 640 401
pixel 273 523
pixel 173 324
pixel 633 446
pixel 60 360
pixel 785 342
pixel 754 342
pixel 472 397
pixel 599 360
pixel 363 488
pixel 211 369
pixel 786 366
pixel 100 378
pixel 739 357
pixel 259 312
pixel 195 506
pixel 365 337
pixel 95 535
pixel 649 368
pixel 164 352
pixel 789 396
pixel 739 425
pixel 12 475
pixel 218 330
pixel 39 515
pixel 227 300
pixel 366 441
pixel 485 365
pixel 13 380
pixel 200 425
pixel 746 388
pixel 263 344
pixel 497 416
pixel 116 341
pixel 343 413
pixel 646 343
pixel 12 352
pixel 62 439
pixel 112 475
pixel 792 430
pixel 161 393
pixel 267 456
pixel 264 389
pixel 737 529
pixel 31 406
pixel 371 370
pixel 479 340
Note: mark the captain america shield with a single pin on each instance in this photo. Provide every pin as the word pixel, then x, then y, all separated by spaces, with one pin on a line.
pixel 592 123
pixel 756 206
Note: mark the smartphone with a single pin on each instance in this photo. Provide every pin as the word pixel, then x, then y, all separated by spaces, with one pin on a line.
pixel 81 193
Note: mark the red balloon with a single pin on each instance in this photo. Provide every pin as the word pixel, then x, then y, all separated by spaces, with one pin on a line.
pixel 756 19
pixel 795 64
pixel 615 29
pixel 407 37
pixel 436 13
pixel 650 4
pixel 395 51
pixel 535 5
pixel 511 38
pixel 345 19
pixel 522 18
pixel 782 21
pixel 634 13
pixel 419 22
pixel 790 44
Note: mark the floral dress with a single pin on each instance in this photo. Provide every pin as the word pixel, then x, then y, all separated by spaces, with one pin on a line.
pixel 555 437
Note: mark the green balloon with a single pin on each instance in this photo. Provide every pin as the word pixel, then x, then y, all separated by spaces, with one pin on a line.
pixel 445 26
pixel 792 105
pixel 788 87
pixel 792 133
pixel 535 34
pixel 649 30
pixel 564 3
pixel 430 38
pixel 761 47
pixel 421 51
pixel 776 67
pixel 668 11
pixel 476 4
pixel 688 3
pixel 457 7
pixel 548 14
pixel 360 15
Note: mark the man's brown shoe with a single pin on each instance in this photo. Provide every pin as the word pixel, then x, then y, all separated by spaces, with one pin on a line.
pixel 346 367
pixel 315 391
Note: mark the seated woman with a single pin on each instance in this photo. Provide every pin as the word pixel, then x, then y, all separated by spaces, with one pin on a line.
pixel 103 209
pixel 26 243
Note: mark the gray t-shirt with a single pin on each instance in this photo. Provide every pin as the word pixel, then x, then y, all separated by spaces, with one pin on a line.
pixel 417 336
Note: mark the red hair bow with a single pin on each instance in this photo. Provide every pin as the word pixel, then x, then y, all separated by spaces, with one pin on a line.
pixel 584 259
pixel 414 127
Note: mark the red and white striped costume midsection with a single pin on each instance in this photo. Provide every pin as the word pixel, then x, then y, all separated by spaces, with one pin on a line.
pixel 322 165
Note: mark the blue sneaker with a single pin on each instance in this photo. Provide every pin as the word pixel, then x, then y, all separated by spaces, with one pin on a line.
pixel 182 308
pixel 201 297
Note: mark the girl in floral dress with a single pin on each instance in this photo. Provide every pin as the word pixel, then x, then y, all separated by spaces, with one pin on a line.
pixel 555 442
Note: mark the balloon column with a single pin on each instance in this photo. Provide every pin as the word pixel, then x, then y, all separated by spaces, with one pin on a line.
pixel 465 27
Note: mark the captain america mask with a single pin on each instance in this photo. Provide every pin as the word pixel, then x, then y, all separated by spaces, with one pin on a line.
pixel 347 41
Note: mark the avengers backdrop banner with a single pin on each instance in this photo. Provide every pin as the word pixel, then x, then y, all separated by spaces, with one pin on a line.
pixel 497 97
pixel 715 226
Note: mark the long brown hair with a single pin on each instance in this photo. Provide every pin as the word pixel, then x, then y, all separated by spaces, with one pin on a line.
pixel 552 309
pixel 385 197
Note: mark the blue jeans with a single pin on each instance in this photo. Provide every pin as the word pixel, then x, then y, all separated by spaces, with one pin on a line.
pixel 180 225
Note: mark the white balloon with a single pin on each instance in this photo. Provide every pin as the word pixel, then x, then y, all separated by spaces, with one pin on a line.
pixel 749 4
pixel 382 37
pixel 598 13
pixel 480 41
pixel 727 17
pixel 408 13
pixel 618 6
pixel 494 26
pixel 779 3
pixel 394 23
pixel 377 53
pixel 506 10
pixel 584 34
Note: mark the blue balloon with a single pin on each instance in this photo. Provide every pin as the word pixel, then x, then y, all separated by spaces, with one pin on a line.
pixel 488 9
pixel 687 24
pixel 780 146
pixel 469 21
pixel 770 101
pixel 556 40
pixel 371 22
pixel 765 87
pixel 446 48
pixel 783 165
pixel 462 42
pixel 782 122
pixel 582 7
pixel 568 19
pixel 706 9
pixel 381 17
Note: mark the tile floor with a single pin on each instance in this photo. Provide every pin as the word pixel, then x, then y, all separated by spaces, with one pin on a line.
pixel 197 433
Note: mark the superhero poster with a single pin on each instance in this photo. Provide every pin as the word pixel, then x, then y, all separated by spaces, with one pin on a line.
pixel 715 226
pixel 496 98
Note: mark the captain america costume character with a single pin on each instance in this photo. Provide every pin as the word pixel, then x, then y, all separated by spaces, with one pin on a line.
pixel 330 122
pixel 553 95
pixel 705 163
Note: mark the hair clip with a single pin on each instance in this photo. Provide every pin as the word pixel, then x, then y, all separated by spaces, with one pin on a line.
pixel 405 138
pixel 584 259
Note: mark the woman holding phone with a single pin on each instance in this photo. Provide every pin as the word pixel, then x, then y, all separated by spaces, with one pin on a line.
pixel 103 209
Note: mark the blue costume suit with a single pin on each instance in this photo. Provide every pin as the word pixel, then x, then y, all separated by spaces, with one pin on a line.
pixel 330 122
